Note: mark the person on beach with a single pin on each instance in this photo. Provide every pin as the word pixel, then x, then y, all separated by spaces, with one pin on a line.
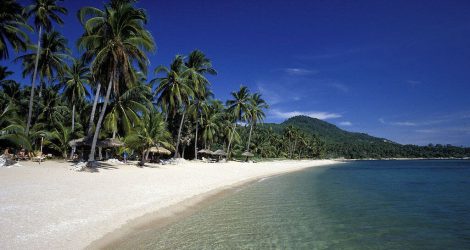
pixel 125 156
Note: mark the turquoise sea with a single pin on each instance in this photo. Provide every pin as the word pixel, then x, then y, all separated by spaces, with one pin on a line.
pixel 358 205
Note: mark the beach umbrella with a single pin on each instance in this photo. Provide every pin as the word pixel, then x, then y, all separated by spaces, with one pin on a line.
pixel 109 143
pixel 160 150
pixel 248 154
pixel 220 152
pixel 205 151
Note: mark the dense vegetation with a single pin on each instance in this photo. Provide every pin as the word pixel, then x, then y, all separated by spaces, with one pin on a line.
pixel 340 143
pixel 104 92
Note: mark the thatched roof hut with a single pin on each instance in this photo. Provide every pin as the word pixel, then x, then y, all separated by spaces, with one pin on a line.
pixel 87 141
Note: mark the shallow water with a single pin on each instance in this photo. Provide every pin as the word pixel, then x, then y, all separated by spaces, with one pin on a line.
pixel 358 205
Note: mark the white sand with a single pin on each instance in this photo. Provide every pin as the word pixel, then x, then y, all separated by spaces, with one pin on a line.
pixel 48 206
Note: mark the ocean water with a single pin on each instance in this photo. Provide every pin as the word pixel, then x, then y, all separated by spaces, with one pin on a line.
pixel 357 205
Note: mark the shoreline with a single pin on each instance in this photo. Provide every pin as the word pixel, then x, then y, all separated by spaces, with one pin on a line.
pixel 166 216
pixel 49 206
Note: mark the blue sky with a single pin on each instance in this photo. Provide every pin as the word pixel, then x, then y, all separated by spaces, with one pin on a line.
pixel 394 69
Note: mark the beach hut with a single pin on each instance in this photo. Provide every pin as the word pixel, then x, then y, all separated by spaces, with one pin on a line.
pixel 87 141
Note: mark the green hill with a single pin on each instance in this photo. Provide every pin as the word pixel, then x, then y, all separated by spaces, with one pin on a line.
pixel 341 143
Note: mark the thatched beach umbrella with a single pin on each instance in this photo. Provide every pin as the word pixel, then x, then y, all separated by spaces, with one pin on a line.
pixel 205 151
pixel 248 154
pixel 160 150
pixel 220 152
pixel 109 143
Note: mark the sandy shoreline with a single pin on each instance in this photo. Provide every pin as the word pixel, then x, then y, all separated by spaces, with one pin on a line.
pixel 48 206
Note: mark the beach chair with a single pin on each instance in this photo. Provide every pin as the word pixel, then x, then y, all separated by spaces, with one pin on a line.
pixel 39 158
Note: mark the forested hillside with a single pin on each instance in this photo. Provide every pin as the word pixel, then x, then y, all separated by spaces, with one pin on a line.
pixel 340 143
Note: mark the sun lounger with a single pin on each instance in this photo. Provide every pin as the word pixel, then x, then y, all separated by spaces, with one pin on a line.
pixel 39 158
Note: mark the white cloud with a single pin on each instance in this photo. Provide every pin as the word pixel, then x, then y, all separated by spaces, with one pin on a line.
pixel 314 114
pixel 346 123
pixel 405 123
pixel 413 82
pixel 299 71
pixel 339 86
pixel 400 123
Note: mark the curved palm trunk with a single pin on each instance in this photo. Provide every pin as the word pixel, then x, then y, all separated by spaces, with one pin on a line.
pixel 91 158
pixel 73 117
pixel 249 138
pixel 33 84
pixel 179 137
pixel 230 141
pixel 195 139
pixel 93 110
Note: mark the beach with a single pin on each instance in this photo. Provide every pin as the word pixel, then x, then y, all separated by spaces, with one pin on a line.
pixel 49 206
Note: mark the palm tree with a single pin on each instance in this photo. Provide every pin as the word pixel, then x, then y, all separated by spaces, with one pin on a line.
pixel 211 123
pixel 74 83
pixel 174 92
pixel 237 107
pixel 127 108
pixel 43 13
pixel 53 108
pixel 59 139
pixel 11 129
pixel 255 113
pixel 116 35
pixel 50 63
pixel 152 131
pixel 12 28
pixel 198 66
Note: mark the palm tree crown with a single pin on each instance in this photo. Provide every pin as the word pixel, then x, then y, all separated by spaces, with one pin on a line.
pixel 12 28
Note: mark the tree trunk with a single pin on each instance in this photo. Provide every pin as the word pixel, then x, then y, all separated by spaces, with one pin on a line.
pixel 92 116
pixel 91 158
pixel 230 140
pixel 195 139
pixel 33 84
pixel 73 117
pixel 179 137
pixel 142 160
pixel 184 148
pixel 249 138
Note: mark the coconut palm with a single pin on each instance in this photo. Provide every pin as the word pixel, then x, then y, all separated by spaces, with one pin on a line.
pixel 211 123
pixel 237 107
pixel 127 108
pixel 198 66
pixel 12 28
pixel 174 92
pixel 118 39
pixel 59 139
pixel 43 13
pixel 53 108
pixel 11 129
pixel 152 131
pixel 74 83
pixel 255 114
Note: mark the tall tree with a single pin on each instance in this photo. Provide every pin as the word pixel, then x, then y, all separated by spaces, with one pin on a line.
pixel 174 92
pixel 74 83
pixel 118 39
pixel 43 13
pixel 237 107
pixel 198 66
pixel 152 131
pixel 12 28
pixel 255 113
